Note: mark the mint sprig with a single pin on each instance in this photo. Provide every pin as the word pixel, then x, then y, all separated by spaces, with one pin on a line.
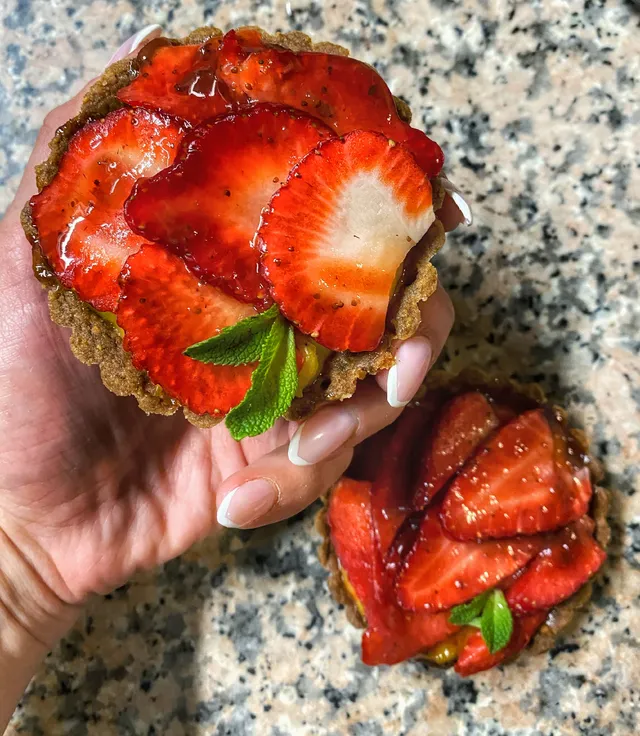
pixel 273 384
pixel 269 340
pixel 489 612
pixel 238 344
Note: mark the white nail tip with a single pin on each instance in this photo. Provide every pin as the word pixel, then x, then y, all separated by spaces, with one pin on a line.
pixel 294 457
pixel 463 206
pixel 392 388
pixel 223 509
pixel 141 35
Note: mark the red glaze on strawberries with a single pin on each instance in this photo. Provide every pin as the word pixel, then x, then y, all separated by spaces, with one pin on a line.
pixel 464 423
pixel 392 635
pixel 409 586
pixel 440 572
pixel 198 83
pixel 334 236
pixel 163 310
pixel 559 570
pixel 206 207
pixel 179 80
pixel 79 215
pixel 512 486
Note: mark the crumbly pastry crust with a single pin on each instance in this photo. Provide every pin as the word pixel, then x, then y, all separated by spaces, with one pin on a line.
pixel 94 340
pixel 561 617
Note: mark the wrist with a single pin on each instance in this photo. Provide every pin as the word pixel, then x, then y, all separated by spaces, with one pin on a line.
pixel 32 619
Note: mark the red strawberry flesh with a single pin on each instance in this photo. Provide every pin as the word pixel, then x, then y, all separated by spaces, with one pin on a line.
pixel 440 572
pixel 179 80
pixel 464 423
pixel 392 635
pixel 163 310
pixel 79 216
pixel 512 486
pixel 334 236
pixel 206 207
pixel 559 570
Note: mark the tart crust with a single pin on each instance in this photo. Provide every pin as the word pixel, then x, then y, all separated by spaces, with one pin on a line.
pixel 95 340
pixel 561 617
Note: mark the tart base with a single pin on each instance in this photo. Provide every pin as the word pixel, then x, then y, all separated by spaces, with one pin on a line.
pixel 97 341
pixel 561 618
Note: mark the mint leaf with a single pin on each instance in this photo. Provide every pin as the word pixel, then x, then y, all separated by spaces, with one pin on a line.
pixel 238 344
pixel 496 624
pixel 465 613
pixel 273 384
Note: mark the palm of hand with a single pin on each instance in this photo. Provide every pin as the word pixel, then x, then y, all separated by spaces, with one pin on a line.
pixel 89 482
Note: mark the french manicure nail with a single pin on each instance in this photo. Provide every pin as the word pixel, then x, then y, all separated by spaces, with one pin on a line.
pixel 458 198
pixel 247 503
pixel 322 435
pixel 413 358
pixel 134 42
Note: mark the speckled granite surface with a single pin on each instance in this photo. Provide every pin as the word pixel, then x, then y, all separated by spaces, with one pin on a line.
pixel 537 105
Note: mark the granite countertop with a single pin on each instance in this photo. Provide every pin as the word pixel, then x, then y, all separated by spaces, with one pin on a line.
pixel 537 105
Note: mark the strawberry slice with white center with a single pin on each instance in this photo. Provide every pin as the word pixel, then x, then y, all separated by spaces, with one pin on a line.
pixel 163 310
pixel 79 215
pixel 514 486
pixel 206 207
pixel 334 236
pixel 441 572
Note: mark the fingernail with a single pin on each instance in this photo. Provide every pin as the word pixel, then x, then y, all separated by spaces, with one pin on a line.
pixel 247 503
pixel 458 199
pixel 134 42
pixel 322 435
pixel 413 358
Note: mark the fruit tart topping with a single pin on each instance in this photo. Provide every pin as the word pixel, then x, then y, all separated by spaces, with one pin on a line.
pixel 206 207
pixel 334 236
pixel 492 593
pixel 440 572
pixel 464 423
pixel 512 485
pixel 79 216
pixel 163 310
pixel 240 69
pixel 559 570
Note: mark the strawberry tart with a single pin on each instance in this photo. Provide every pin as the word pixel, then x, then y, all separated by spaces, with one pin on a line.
pixel 238 225
pixel 468 530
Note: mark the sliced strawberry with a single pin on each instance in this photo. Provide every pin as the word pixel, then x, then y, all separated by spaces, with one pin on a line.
pixel 179 80
pixel 163 310
pixel 440 572
pixel 464 423
pixel 206 207
pixel 81 226
pixel 334 236
pixel 391 491
pixel 559 570
pixel 343 92
pixel 512 486
pixel 392 635
pixel 476 657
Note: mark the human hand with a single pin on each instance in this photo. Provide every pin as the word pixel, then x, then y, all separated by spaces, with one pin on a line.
pixel 92 489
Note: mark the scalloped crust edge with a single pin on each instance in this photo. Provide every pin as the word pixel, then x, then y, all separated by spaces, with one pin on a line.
pixel 560 618
pixel 96 341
